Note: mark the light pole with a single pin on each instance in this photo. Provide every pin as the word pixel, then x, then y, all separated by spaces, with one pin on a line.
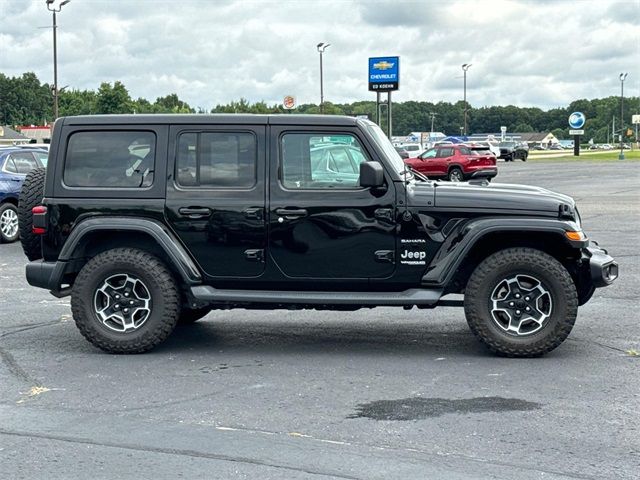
pixel 465 67
pixel 52 8
pixel 321 48
pixel 623 77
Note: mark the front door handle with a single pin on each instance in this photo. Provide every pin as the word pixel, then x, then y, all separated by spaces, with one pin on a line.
pixel 195 212
pixel 291 212
pixel 253 213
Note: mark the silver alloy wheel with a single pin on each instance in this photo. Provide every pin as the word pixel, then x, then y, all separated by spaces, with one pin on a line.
pixel 9 223
pixel 122 303
pixel 520 305
pixel 455 175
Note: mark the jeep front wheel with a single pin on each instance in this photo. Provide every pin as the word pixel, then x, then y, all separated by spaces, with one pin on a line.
pixel 125 301
pixel 521 302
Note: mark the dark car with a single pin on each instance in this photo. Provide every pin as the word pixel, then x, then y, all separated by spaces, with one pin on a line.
pixel 266 212
pixel 510 151
pixel 15 163
pixel 402 152
pixel 455 162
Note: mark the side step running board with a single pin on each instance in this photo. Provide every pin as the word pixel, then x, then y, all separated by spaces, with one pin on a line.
pixel 414 296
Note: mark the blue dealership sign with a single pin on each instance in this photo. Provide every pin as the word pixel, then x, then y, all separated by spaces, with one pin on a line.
pixel 384 74
pixel 576 120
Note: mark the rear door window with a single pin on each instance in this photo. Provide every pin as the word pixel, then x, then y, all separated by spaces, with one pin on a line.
pixel 445 152
pixel 110 159
pixel 217 160
pixel 23 162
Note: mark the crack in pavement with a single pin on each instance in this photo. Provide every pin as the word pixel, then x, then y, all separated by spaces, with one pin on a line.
pixel 16 370
pixel 30 327
pixel 239 459
pixel 174 451
pixel 579 340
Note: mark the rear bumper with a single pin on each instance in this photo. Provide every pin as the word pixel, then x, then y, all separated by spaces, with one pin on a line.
pixel 485 172
pixel 602 267
pixel 47 275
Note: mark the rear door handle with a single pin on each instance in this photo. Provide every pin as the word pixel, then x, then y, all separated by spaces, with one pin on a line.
pixel 195 212
pixel 291 212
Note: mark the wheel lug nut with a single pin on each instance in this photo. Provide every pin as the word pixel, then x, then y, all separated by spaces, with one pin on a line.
pixel 116 306
pixel 527 309
pixel 517 312
pixel 527 298
pixel 517 295
pixel 131 302
pixel 126 294
pixel 117 297
pixel 511 304
pixel 126 310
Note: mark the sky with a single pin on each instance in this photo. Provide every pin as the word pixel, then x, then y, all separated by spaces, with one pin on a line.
pixel 539 53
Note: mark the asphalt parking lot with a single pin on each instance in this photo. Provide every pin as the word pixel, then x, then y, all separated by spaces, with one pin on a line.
pixel 385 393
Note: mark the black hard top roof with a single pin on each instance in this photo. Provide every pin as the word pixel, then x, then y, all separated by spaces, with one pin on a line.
pixel 214 119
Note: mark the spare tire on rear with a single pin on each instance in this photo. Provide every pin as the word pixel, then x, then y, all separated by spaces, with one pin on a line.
pixel 30 196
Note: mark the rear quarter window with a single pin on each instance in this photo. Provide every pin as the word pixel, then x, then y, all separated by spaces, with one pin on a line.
pixel 110 159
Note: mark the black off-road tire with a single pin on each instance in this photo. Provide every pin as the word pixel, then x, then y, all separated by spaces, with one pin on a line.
pixel 30 196
pixel 10 210
pixel 189 315
pixel 453 172
pixel 521 261
pixel 165 300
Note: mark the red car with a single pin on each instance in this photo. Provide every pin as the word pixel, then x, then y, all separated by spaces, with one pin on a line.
pixel 455 162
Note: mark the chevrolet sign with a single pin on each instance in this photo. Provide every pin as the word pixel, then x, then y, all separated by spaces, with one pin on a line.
pixel 384 74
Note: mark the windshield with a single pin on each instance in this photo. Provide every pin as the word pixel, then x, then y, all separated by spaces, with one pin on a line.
pixel 385 145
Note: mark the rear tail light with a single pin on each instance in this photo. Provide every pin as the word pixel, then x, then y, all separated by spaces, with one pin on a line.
pixel 39 226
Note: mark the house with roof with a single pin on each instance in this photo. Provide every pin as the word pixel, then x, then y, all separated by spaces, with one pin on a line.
pixel 37 133
pixel 8 136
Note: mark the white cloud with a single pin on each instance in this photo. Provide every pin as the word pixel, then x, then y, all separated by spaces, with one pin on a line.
pixel 523 52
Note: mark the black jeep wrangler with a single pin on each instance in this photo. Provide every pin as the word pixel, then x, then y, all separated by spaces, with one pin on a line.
pixel 151 220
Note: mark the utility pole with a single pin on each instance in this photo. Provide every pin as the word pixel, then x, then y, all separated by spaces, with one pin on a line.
pixel 54 90
pixel 465 67
pixel 433 116
pixel 623 77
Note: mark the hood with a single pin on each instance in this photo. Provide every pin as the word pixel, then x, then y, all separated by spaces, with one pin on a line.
pixel 499 196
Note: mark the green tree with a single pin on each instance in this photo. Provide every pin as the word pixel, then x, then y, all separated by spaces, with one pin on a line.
pixel 172 104
pixel 113 99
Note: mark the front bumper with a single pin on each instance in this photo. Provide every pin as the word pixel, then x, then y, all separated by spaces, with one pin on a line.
pixel 602 267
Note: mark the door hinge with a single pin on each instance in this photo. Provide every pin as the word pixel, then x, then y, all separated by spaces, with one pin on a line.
pixel 385 256
pixel 254 255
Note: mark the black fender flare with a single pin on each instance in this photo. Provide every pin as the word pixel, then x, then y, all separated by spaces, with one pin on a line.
pixel 178 255
pixel 459 242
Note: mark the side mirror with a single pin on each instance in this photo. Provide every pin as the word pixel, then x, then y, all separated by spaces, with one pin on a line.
pixel 371 175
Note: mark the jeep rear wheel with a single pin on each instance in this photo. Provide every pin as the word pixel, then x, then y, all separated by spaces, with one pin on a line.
pixel 521 302
pixel 30 196
pixel 125 301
